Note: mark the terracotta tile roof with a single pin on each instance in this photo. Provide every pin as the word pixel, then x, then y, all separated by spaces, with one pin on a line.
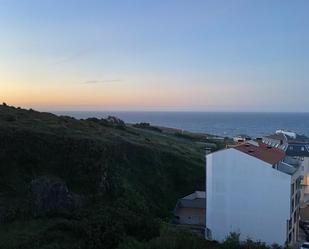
pixel 261 151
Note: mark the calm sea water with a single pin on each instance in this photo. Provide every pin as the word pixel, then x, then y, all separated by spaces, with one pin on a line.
pixel 223 124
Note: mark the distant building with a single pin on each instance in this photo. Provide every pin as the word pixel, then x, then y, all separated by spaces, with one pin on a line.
pixel 241 138
pixel 290 134
pixel 296 148
pixel 283 139
pixel 252 191
pixel 276 140
pixel 190 211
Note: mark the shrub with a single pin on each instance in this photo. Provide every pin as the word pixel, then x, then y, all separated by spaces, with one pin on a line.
pixel 147 126
pixel 232 241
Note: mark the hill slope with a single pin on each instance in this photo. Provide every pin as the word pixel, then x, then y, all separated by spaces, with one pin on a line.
pixel 68 183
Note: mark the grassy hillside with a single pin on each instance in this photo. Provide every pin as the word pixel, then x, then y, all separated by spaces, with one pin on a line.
pixel 114 181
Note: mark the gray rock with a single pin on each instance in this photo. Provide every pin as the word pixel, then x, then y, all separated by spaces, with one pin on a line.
pixel 50 194
pixel 4 214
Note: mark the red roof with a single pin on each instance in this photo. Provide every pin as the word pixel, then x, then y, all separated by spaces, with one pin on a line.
pixel 261 151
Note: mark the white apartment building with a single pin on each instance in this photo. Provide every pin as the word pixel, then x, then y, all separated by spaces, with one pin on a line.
pixel 251 191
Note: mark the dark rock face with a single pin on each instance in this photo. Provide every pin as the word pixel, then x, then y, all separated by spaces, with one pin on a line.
pixel 5 214
pixel 52 195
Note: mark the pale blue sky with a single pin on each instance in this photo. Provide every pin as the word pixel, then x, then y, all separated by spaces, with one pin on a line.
pixel 236 55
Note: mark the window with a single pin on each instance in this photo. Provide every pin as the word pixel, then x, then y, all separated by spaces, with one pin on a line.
pixel 291 148
pixel 302 148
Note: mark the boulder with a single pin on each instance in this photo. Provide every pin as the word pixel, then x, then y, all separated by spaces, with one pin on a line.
pixel 6 214
pixel 50 194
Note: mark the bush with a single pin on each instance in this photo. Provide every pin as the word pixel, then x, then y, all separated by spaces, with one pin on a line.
pixel 117 122
pixel 147 126
pixel 232 241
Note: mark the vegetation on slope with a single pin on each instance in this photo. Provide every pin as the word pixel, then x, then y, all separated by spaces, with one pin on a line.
pixel 68 183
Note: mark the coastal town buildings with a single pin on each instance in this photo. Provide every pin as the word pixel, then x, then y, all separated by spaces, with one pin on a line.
pixel 253 191
pixel 296 149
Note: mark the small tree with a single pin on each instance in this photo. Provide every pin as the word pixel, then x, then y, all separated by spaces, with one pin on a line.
pixel 232 241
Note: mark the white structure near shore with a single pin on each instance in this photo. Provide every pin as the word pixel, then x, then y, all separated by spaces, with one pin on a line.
pixel 251 191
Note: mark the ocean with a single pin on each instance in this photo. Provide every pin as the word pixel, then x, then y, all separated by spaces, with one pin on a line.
pixel 217 123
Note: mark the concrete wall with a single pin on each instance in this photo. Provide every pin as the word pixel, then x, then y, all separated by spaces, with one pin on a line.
pixel 191 216
pixel 246 195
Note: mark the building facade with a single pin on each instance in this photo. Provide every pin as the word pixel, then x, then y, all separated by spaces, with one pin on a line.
pixel 190 210
pixel 251 191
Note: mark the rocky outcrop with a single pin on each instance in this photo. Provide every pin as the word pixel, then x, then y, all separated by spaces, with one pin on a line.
pixel 6 214
pixel 49 194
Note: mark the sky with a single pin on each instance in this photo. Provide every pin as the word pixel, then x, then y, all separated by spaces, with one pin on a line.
pixel 162 55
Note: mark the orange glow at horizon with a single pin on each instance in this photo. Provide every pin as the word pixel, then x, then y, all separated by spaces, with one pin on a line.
pixel 115 96
pixel 145 91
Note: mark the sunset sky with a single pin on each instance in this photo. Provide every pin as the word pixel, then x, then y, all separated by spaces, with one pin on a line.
pixel 197 55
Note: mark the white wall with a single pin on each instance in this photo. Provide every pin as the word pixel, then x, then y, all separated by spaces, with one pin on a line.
pixel 246 195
